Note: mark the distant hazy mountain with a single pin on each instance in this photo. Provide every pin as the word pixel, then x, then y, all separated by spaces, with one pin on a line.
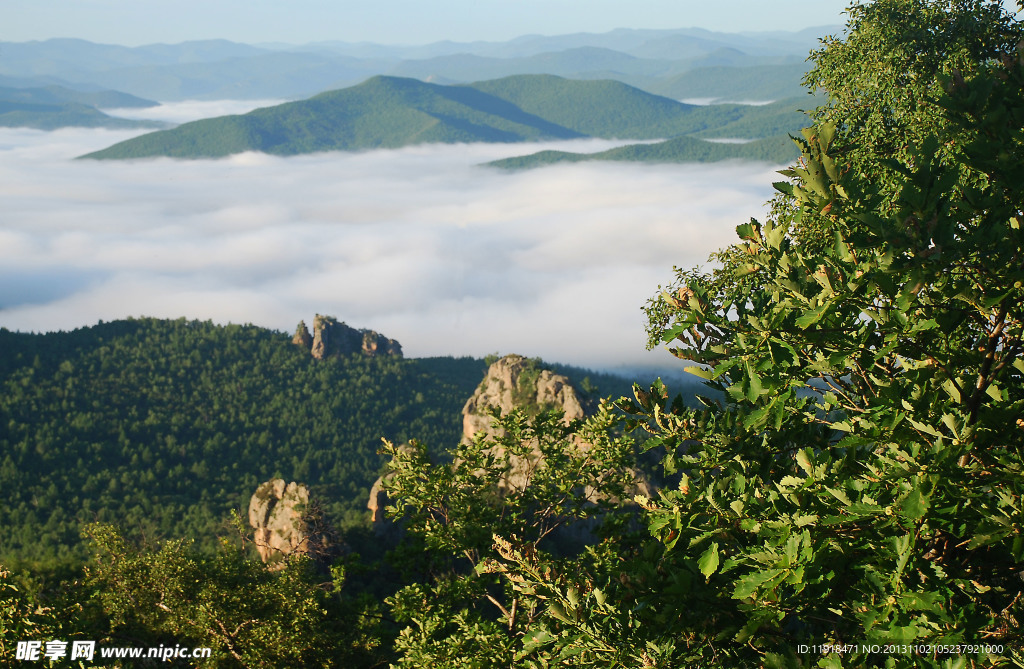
pixel 52 107
pixel 390 112
pixel 218 69
pixel 66 57
pixel 57 95
pixel 577 62
pixel 672 44
pixel 736 84
pixel 71 114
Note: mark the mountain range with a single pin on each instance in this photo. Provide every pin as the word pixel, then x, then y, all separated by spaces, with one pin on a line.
pixel 390 112
pixel 681 63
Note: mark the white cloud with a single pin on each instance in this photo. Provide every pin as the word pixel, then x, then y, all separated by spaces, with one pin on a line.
pixel 191 110
pixel 421 244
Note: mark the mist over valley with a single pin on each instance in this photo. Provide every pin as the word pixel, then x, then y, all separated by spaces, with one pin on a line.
pixel 421 243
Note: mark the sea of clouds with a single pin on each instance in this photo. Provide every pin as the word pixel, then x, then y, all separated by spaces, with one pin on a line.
pixel 422 244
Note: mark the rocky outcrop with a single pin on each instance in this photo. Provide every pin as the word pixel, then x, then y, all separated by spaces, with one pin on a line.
pixel 285 523
pixel 302 338
pixel 518 382
pixel 331 337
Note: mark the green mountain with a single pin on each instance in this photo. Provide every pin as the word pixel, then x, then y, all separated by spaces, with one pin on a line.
pixel 722 82
pixel 389 112
pixel 51 107
pixel 165 427
pixel 733 121
pixel 382 112
pixel 613 110
pixel 57 95
pixel 69 114
pixel 600 108
pixel 678 150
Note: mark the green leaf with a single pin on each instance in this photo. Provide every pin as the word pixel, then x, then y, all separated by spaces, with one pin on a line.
pixel 708 562
pixel 840 248
pixel 916 504
pixel 902 546
pixel 812 316
pixel 556 610
pixel 747 231
pixel 839 494
pixel 697 370
pixel 749 584
pixel 533 640
pixel 803 458
pixel 755 389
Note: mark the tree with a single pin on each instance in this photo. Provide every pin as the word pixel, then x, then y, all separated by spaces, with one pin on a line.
pixel 467 516
pixel 862 480
pixel 248 614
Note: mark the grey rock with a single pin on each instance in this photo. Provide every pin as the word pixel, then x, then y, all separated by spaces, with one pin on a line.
pixel 285 523
pixel 331 338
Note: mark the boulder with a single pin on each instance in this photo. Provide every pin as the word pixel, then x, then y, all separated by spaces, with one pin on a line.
pixel 285 523
pixel 517 382
pixel 510 383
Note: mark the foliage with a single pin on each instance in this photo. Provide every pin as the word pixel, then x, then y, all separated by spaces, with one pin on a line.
pixel 881 77
pixel 249 615
pixel 22 617
pixel 541 490
pixel 861 481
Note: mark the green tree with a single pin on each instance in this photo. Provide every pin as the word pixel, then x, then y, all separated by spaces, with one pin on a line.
pixel 541 490
pixel 248 614
pixel 861 481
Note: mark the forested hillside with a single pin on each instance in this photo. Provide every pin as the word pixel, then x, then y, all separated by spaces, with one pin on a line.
pixel 165 427
pixel 778 150
pixel 391 112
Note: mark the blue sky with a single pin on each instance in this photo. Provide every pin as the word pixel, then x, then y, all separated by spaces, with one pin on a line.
pixel 133 22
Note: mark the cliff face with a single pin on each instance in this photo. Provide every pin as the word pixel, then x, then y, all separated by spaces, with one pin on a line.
pixel 331 337
pixel 517 382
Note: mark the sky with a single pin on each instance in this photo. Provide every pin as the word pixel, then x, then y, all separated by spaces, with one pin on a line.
pixel 135 22
pixel 422 244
